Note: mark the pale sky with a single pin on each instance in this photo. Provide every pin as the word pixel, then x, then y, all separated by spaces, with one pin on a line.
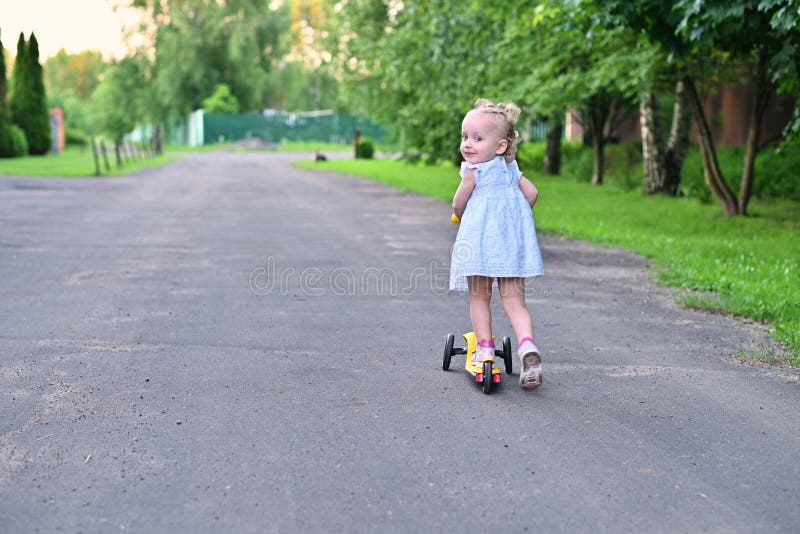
pixel 74 25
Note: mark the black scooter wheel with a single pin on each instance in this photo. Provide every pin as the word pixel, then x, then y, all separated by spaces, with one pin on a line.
pixel 448 351
pixel 508 357
pixel 488 379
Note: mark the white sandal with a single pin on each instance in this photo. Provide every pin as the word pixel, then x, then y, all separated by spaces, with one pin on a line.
pixel 530 375
pixel 481 355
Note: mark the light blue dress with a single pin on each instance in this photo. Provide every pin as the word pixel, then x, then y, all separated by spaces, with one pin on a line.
pixel 497 234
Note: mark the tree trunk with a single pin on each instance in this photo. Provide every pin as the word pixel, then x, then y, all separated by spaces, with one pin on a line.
pixel 117 153
pixel 652 145
pixel 598 145
pixel 597 114
pixel 711 170
pixel 157 141
pixel 588 134
pixel 552 156
pixel 754 133
pixel 679 138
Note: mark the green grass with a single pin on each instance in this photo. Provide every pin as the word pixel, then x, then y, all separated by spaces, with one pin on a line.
pixel 744 266
pixel 75 163
pixel 310 146
pixel 186 148
pixel 283 146
pixel 437 181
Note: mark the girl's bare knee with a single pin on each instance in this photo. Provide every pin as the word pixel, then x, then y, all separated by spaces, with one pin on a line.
pixel 514 308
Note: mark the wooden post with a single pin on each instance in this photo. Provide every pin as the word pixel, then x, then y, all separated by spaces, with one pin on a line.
pixel 356 137
pixel 118 153
pixel 157 140
pixel 96 157
pixel 105 156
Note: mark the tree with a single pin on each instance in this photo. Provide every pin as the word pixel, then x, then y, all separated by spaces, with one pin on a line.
pixel 420 65
pixel 569 62
pixel 29 100
pixel 746 31
pixel 304 78
pixel 70 79
pixel 73 74
pixel 199 44
pixel 663 161
pixel 298 87
pixel 784 22
pixel 39 137
pixel 6 140
pixel 117 102
pixel 417 65
pixel 552 154
pixel 222 101
pixel 526 36
pixel 20 84
pixel 742 32
pixel 752 41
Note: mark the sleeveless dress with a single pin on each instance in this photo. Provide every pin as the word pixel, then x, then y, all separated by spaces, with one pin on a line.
pixel 497 234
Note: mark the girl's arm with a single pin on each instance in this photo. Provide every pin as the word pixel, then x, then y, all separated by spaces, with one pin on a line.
pixel 463 192
pixel 528 190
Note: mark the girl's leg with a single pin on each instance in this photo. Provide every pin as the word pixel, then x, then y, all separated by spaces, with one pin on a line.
pixel 512 291
pixel 480 295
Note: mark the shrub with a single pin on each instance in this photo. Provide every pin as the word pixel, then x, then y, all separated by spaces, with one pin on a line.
pixel 222 101
pixel 6 140
pixel 530 156
pixel 576 159
pixel 75 137
pixel 776 172
pixel 365 148
pixel 20 141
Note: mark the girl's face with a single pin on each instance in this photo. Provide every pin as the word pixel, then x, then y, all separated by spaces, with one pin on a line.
pixel 481 137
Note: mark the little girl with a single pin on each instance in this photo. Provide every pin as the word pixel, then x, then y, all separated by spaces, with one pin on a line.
pixel 496 238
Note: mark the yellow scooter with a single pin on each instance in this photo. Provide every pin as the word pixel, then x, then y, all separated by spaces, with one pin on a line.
pixel 487 374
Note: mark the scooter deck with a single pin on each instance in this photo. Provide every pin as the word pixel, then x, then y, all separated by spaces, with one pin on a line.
pixel 472 345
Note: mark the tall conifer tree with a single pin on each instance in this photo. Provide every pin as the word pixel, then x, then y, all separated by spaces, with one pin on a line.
pixel 19 84
pixel 6 141
pixel 39 136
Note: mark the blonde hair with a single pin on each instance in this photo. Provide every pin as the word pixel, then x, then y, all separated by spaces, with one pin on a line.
pixel 508 113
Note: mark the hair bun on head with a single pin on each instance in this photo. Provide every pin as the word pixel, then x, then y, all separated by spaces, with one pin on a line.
pixel 511 111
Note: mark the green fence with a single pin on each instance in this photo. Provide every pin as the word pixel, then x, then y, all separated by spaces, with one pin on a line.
pixel 538 130
pixel 201 128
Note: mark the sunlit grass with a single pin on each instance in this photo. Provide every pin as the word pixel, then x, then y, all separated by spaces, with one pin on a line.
pixel 77 163
pixel 745 266
pixel 311 146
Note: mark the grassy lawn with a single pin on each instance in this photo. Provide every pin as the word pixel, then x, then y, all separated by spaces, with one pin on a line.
pixel 75 162
pixel 311 146
pixel 747 267
pixel 79 162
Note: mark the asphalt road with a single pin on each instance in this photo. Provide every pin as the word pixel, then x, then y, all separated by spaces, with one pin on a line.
pixel 230 344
